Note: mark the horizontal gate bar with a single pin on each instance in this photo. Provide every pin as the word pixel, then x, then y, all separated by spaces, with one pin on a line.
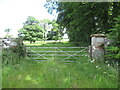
pixel 54 55
pixel 58 61
pixel 67 61
pixel 51 58
pixel 40 60
pixel 57 51
pixel 56 47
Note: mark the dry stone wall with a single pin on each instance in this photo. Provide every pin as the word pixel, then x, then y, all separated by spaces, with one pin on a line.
pixel 9 42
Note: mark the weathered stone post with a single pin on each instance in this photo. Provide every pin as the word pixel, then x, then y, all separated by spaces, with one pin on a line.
pixel 97 46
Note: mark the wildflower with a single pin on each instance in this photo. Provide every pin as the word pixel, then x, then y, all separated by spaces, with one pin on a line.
pixel 92 61
pixel 104 72
pixel 97 66
pixel 106 61
pixel 108 65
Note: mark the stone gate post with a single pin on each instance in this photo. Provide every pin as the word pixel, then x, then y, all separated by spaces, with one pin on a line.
pixel 97 46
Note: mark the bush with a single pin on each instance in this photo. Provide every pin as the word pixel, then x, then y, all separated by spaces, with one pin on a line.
pixel 113 54
pixel 115 36
pixel 20 49
pixel 9 58
pixel 14 54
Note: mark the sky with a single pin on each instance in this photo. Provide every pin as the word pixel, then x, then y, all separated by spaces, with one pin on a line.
pixel 13 13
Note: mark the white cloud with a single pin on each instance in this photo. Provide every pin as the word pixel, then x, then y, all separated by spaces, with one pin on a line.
pixel 15 12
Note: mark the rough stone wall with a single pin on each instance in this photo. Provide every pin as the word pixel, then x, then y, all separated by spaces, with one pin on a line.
pixel 8 42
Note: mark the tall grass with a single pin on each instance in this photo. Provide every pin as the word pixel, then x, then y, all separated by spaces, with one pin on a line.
pixel 52 74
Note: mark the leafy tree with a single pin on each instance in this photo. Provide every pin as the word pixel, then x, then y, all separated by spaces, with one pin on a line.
pixel 31 21
pixel 115 37
pixel 31 30
pixel 7 31
pixel 85 18
pixel 44 23
pixel 56 32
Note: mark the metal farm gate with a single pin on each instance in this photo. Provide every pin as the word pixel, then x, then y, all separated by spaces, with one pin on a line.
pixel 62 53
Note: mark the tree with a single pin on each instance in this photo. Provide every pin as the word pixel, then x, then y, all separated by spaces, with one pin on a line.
pixel 7 31
pixel 85 18
pixel 114 35
pixel 31 21
pixel 31 30
pixel 56 32
pixel 44 23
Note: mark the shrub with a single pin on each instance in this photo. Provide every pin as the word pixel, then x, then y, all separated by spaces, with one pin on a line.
pixel 20 49
pixel 113 54
pixel 9 58
pixel 14 54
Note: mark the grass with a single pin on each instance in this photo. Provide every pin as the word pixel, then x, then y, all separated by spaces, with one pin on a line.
pixel 53 74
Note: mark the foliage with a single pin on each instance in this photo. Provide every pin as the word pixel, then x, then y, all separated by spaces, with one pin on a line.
pixel 56 32
pixel 8 36
pixel 85 18
pixel 20 49
pixel 31 30
pixel 9 58
pixel 55 74
pixel 45 24
pixel 114 49
pixel 31 21
pixel 7 31
pixel 13 54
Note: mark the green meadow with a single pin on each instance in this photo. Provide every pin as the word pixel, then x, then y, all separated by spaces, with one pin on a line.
pixel 51 73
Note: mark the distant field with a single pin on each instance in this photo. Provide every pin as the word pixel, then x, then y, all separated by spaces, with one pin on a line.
pixel 44 42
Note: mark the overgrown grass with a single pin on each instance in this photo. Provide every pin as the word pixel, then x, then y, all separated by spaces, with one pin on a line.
pixel 54 74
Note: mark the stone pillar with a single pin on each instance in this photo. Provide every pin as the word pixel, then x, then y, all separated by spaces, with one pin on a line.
pixel 97 46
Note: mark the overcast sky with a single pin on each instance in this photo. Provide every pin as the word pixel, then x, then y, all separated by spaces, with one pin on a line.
pixel 13 13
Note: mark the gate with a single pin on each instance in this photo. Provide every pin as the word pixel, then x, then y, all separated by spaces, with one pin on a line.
pixel 61 53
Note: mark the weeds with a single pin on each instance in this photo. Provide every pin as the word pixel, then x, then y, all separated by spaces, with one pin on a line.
pixel 52 74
